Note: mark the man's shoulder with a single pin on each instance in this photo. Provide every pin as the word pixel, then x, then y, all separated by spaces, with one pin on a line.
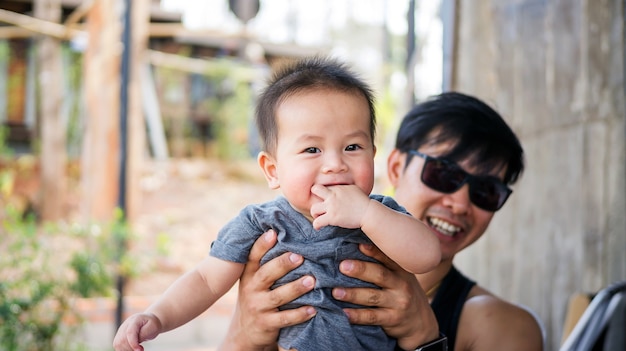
pixel 482 303
pixel 491 305
pixel 488 320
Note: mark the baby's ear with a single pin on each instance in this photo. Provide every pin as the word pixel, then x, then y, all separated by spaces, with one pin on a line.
pixel 268 165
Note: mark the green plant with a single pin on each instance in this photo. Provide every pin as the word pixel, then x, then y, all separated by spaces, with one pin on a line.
pixel 5 151
pixel 44 269
pixel 34 296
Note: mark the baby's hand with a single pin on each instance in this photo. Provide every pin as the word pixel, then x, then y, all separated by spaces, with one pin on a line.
pixel 135 330
pixel 341 205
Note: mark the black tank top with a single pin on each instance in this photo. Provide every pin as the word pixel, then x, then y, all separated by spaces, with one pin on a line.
pixel 448 303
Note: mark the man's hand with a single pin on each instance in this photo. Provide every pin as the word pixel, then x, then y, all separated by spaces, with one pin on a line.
pixel 257 320
pixel 402 308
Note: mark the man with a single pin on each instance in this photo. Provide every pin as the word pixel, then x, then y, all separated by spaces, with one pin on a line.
pixel 451 166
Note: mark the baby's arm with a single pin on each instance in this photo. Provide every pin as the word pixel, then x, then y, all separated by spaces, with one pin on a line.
pixel 185 299
pixel 402 237
pixel 195 291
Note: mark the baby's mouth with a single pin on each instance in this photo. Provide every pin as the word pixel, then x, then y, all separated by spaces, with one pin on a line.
pixel 330 185
pixel 443 227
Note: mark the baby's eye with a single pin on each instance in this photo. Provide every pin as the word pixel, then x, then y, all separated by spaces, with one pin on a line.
pixel 353 147
pixel 311 150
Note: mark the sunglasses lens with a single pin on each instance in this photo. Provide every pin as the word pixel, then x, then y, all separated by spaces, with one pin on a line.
pixel 488 193
pixel 442 176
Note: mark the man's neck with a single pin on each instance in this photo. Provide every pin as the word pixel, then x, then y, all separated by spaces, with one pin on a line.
pixel 430 281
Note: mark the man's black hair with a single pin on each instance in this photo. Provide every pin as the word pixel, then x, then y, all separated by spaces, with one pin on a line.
pixel 476 132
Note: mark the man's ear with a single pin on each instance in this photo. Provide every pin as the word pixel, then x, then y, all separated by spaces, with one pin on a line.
pixel 268 165
pixel 395 166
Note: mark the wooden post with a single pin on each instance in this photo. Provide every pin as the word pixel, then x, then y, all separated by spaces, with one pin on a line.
pixel 100 158
pixel 53 143
pixel 136 126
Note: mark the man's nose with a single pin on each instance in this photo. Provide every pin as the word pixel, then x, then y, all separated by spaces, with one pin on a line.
pixel 459 200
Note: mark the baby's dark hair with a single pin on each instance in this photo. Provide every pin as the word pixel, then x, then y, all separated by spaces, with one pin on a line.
pixel 311 73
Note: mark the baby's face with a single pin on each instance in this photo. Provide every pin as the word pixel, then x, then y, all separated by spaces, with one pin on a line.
pixel 323 138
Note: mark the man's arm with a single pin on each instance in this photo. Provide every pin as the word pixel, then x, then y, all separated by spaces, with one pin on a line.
pixel 257 320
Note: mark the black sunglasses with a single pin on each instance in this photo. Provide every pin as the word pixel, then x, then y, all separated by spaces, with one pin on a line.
pixel 486 192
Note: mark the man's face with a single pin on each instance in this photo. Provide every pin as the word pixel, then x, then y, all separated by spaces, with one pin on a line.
pixel 456 221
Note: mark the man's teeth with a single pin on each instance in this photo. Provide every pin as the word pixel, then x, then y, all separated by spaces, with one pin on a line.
pixel 444 227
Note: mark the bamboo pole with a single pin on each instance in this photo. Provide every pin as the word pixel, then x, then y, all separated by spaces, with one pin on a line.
pixel 53 136
pixel 201 66
pixel 101 149
pixel 78 13
pixel 136 125
pixel 39 25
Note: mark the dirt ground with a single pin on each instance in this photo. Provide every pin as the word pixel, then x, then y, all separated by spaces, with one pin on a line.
pixel 184 204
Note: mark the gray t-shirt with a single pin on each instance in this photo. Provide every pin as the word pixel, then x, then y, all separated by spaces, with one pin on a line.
pixel 322 250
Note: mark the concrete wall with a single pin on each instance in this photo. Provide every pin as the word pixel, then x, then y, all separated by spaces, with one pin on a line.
pixel 555 70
